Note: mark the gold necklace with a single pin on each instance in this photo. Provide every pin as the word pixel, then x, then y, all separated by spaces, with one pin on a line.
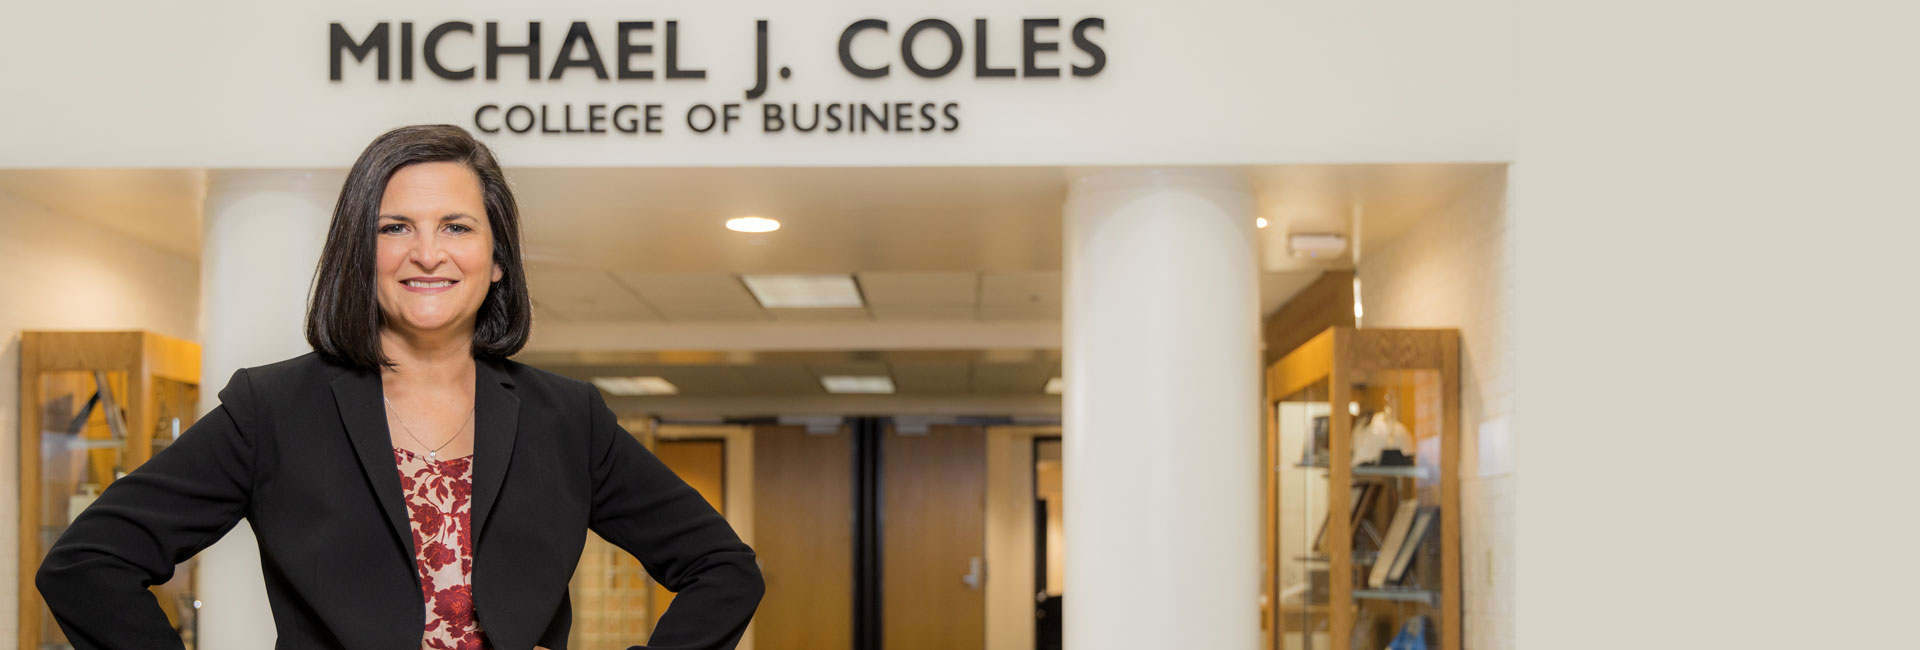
pixel 433 455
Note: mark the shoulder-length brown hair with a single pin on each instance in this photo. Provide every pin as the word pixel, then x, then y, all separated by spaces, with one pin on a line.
pixel 343 315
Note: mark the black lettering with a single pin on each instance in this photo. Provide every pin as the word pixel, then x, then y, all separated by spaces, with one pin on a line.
pixel 673 55
pixel 869 116
pixel 902 113
pixel 1093 49
pixel 653 118
pixel 626 124
pixel 846 48
pixel 1031 48
pixel 406 51
pixel 953 42
pixel 566 113
pixel 517 109
pixel 926 117
pixel 546 125
pixel 578 34
pixel 770 121
pixel 627 49
pixel 953 121
pixel 833 118
pixel 481 111
pixel 810 127
pixel 375 43
pixel 597 118
pixel 980 67
pixel 531 50
pixel 711 118
pixel 430 50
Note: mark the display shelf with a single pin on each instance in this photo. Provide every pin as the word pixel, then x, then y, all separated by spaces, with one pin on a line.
pixel 1406 595
pixel 1421 472
pixel 1382 539
pixel 1417 472
pixel 94 406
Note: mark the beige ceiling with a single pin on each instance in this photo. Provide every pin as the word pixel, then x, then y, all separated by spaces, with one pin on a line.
pixel 157 206
pixel 607 247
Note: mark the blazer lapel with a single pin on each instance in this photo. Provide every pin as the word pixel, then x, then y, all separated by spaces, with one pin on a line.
pixel 357 394
pixel 496 422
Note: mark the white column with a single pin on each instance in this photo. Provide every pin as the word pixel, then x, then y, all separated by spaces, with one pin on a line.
pixel 263 233
pixel 1161 426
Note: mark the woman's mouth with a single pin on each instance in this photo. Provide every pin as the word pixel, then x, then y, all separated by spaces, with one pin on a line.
pixel 435 285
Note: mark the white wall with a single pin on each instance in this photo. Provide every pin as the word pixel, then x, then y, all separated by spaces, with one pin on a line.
pixel 62 272
pixel 201 83
pixel 1454 268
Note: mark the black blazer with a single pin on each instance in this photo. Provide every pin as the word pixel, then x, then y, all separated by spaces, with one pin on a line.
pixel 300 449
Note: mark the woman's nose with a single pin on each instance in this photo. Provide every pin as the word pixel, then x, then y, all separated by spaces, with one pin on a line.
pixel 426 250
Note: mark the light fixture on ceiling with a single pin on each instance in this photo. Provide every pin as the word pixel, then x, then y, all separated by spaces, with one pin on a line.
pixel 1055 386
pixel 1260 222
pixel 804 291
pixel 636 385
pixel 1317 245
pixel 853 384
pixel 752 224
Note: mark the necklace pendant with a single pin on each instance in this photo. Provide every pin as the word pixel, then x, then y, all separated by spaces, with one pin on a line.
pixel 433 455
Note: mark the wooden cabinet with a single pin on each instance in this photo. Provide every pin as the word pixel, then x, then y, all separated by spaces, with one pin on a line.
pixel 1363 494
pixel 93 406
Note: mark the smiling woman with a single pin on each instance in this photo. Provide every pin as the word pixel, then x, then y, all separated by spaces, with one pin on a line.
pixel 375 470
pixel 422 204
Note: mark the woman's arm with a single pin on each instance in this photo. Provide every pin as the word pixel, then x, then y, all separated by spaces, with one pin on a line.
pixel 184 499
pixel 643 507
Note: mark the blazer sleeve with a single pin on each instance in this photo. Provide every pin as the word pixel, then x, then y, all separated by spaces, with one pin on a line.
pixel 643 507
pixel 95 577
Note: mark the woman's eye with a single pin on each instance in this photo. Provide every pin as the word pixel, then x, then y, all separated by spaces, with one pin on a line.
pixel 459 228
pixel 393 228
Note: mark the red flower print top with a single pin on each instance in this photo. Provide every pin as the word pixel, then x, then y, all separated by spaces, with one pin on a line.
pixel 439 498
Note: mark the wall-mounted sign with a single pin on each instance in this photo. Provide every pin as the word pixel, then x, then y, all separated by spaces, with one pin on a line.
pixel 637 52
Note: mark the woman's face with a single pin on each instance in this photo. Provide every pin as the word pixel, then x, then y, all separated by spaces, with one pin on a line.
pixel 435 249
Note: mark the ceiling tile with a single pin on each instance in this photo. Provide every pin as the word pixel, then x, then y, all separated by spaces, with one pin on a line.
pixel 577 295
pixel 904 289
pixel 924 312
pixel 1015 311
pixel 779 378
pixel 936 376
pixel 1018 378
pixel 694 296
pixel 1022 287
pixel 827 314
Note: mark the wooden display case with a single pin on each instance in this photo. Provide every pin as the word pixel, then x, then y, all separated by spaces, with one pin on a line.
pixel 93 406
pixel 1342 572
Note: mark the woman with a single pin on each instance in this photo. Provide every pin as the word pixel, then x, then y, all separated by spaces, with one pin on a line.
pixel 410 487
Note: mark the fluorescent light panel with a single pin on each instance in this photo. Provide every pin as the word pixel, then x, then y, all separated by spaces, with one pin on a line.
pixel 636 385
pixel 856 384
pixel 803 291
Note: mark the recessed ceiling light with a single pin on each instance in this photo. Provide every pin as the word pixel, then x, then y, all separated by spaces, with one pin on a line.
pixel 752 224
pixel 1054 386
pixel 803 291
pixel 1260 222
pixel 635 385
pixel 857 384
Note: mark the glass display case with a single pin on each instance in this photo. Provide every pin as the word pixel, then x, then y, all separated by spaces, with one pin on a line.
pixel 93 406
pixel 1364 538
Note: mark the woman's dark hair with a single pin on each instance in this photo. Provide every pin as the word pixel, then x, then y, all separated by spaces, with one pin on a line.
pixel 343 314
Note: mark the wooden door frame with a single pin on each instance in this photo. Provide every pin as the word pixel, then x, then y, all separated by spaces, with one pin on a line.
pixel 1010 533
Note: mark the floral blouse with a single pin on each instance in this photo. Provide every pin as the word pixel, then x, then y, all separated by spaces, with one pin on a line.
pixel 439 496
